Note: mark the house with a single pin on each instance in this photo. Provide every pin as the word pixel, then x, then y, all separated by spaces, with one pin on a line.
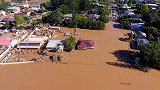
pixel 100 4
pixel 10 19
pixel 85 44
pixel 14 9
pixel 68 16
pixel 27 12
pixel 137 43
pixel 139 35
pixel 152 6
pixel 147 1
pixel 129 12
pixel 55 45
pixel 126 7
pixel 94 16
pixel 114 6
pixel 36 8
pixel 142 41
pixel 32 42
pixel 136 24
pixel 3 13
pixel 22 6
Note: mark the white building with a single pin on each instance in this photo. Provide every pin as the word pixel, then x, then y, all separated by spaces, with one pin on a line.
pixel 3 13
pixel 33 42
pixel 55 45
pixel 14 9
pixel 36 8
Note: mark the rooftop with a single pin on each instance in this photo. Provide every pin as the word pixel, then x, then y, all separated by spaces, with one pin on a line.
pixel 5 41
pixel 53 43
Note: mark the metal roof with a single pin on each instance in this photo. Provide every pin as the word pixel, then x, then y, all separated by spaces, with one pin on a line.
pixel 53 43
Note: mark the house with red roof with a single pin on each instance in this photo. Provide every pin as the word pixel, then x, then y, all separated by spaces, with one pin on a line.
pixel 5 41
pixel 85 44
pixel 27 11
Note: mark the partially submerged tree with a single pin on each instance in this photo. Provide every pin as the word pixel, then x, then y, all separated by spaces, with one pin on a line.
pixel 70 43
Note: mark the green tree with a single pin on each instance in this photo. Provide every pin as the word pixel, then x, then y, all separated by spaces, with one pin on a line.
pixel 70 43
pixel 65 9
pixel 152 33
pixel 7 25
pixel 43 9
pixel 57 3
pixel 150 55
pixel 76 19
pixel 20 1
pixel 103 18
pixel 125 24
pixel 19 20
pixel 82 22
pixel 74 5
pixel 85 5
pixel 33 14
pixel 105 10
pixel 56 16
pixel 142 9
pixel 4 5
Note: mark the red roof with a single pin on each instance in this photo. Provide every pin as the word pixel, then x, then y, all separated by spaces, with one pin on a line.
pixel 82 44
pixel 5 41
pixel 27 10
pixel 85 44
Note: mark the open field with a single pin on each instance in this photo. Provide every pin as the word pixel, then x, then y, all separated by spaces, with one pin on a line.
pixel 87 69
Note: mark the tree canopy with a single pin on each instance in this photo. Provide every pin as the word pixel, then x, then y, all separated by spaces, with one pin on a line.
pixel 152 33
pixel 8 25
pixel 105 10
pixel 19 20
pixel 83 22
pixel 65 9
pixel 56 16
pixel 150 54
pixel 70 43
pixel 4 5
